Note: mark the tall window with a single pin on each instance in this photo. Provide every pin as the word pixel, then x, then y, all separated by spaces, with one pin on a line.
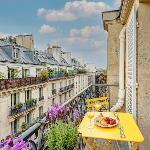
pixel 69 94
pixel 38 72
pixel 28 95
pixel 28 118
pixel 25 73
pixel 53 86
pixel 12 73
pixel 69 82
pixel 40 92
pixel 15 126
pixel 14 99
pixel 61 84
pixel 41 112
pixel 65 96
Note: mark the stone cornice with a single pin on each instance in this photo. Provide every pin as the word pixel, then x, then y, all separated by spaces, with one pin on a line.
pixel 126 7
pixel 108 17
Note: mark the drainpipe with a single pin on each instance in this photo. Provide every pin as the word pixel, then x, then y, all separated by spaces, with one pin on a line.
pixel 121 93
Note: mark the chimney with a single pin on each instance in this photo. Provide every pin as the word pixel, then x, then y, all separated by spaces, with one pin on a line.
pixel 55 51
pixel 25 40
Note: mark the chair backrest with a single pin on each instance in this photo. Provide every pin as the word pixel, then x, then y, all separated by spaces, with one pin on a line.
pixel 103 101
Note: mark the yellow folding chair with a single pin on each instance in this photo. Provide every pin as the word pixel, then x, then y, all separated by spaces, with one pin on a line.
pixel 102 101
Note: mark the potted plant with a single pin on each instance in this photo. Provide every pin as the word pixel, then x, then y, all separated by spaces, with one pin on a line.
pixel 29 102
pixel 2 75
pixel 19 105
pixel 50 73
pixel 62 136
pixel 44 73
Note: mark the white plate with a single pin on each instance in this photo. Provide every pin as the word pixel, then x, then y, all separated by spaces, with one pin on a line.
pixel 108 126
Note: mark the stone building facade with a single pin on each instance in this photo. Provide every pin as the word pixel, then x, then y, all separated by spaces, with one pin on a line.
pixel 132 23
pixel 25 94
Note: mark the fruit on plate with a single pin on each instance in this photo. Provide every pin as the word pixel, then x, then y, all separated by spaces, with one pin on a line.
pixel 106 121
pixel 109 120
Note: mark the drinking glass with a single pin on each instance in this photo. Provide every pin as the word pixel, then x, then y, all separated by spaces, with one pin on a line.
pixel 90 116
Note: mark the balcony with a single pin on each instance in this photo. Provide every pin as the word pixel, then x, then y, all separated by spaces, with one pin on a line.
pixel 66 88
pixel 41 98
pixel 53 91
pixel 20 108
pixel 77 102
pixel 6 84
pixel 71 86
pixel 61 90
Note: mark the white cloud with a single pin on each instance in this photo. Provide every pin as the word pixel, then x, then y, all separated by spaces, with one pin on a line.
pixel 4 35
pixel 86 37
pixel 75 40
pixel 97 44
pixel 41 11
pixel 74 10
pixel 86 32
pixel 47 29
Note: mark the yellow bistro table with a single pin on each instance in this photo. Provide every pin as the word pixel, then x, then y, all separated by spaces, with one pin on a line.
pixel 131 130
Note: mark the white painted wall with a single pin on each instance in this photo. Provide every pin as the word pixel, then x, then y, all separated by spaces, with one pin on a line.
pixel 91 67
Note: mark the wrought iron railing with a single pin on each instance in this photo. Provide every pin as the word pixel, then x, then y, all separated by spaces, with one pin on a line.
pixel 53 91
pixel 16 83
pixel 35 134
pixel 41 98
pixel 66 88
pixel 6 84
pixel 20 108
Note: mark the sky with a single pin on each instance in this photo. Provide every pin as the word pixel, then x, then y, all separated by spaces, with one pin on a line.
pixel 75 25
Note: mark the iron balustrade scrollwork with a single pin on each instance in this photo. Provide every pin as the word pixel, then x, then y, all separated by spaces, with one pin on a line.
pixel 66 88
pixel 41 98
pixel 22 107
pixel 35 134
pixel 19 82
pixel 6 84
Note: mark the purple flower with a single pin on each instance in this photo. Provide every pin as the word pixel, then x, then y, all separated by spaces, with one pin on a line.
pixel 76 114
pixel 2 144
pixel 15 143
pixel 54 111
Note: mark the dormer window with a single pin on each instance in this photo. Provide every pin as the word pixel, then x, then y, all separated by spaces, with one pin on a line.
pixel 35 56
pixel 16 54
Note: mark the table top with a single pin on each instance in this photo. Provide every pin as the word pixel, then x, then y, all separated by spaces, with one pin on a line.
pixel 131 129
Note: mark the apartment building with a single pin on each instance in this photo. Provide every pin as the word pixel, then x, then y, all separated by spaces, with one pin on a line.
pixel 25 89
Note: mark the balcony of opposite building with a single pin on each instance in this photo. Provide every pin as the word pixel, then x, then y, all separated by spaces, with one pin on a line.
pixel 6 84
pixel 41 98
pixel 66 88
pixel 20 108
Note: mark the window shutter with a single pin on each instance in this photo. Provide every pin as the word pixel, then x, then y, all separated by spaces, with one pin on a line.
pixel 131 64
